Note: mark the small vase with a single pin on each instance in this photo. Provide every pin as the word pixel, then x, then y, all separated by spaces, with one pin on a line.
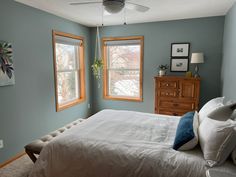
pixel 162 72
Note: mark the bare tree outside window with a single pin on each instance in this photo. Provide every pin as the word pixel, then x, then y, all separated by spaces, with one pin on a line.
pixel 123 69
pixel 69 69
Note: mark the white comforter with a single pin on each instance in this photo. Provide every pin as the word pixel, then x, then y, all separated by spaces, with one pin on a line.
pixel 119 144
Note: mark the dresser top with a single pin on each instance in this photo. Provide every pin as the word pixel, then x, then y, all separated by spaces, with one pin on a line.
pixel 176 77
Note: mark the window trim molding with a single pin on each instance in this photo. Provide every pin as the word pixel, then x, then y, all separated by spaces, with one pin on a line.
pixel 105 77
pixel 81 73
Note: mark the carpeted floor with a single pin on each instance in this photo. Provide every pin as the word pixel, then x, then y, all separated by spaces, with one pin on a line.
pixel 18 168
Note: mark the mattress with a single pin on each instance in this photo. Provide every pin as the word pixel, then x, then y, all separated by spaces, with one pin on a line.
pixel 119 144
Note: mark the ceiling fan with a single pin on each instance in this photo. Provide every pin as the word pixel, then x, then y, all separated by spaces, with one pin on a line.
pixel 115 6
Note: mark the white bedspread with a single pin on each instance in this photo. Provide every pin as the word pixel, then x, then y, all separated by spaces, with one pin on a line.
pixel 119 144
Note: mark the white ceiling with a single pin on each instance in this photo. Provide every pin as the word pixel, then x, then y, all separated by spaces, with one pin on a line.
pixel 160 10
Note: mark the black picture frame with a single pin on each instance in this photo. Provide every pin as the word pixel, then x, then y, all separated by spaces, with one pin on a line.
pixel 179 64
pixel 180 50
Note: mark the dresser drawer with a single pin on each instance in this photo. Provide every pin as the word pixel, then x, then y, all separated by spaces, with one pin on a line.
pixel 167 93
pixel 176 104
pixel 165 84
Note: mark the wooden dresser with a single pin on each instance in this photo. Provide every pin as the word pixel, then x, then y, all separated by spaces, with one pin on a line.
pixel 176 95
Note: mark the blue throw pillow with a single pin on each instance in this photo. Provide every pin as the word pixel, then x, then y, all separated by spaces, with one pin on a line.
pixel 186 137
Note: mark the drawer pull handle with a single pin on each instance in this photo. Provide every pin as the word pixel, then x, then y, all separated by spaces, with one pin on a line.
pixel 167 85
pixel 175 104
pixel 167 94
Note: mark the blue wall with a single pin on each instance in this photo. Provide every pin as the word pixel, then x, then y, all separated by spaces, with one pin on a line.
pixel 229 56
pixel 27 109
pixel 204 34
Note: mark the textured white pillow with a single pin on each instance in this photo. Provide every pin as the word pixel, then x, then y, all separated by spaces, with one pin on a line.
pixel 233 116
pixel 222 113
pixel 217 140
pixel 209 107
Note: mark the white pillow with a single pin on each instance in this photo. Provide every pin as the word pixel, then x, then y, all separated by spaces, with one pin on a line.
pixel 209 107
pixel 223 113
pixel 217 140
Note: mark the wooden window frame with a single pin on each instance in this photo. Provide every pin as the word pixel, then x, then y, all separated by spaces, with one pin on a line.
pixel 81 71
pixel 105 72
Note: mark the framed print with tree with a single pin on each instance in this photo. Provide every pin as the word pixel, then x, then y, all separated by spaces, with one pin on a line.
pixel 180 50
pixel 179 64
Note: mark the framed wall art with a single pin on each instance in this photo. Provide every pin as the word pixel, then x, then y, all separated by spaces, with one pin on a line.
pixel 179 64
pixel 6 65
pixel 180 50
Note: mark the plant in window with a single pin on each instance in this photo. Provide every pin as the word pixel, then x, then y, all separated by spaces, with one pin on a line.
pixel 97 68
pixel 6 59
pixel 97 64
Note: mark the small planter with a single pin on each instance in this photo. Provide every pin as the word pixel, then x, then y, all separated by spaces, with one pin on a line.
pixel 97 68
pixel 162 72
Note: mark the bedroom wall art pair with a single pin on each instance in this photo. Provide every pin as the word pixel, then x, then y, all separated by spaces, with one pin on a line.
pixel 7 76
pixel 179 57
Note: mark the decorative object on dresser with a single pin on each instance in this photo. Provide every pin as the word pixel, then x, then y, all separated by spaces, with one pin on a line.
pixel 176 95
pixel 162 70
pixel 188 74
pixel 197 58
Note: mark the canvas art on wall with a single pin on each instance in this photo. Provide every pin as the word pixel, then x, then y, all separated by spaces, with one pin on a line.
pixel 6 65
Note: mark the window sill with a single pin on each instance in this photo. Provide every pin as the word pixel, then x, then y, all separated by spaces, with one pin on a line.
pixel 123 98
pixel 70 104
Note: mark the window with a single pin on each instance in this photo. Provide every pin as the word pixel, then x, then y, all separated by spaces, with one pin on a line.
pixel 69 69
pixel 123 59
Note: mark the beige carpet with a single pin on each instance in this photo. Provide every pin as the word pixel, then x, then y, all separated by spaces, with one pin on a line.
pixel 18 168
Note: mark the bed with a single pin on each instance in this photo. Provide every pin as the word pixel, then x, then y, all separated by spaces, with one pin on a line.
pixel 120 144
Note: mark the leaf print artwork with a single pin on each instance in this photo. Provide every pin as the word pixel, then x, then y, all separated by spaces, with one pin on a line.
pixel 6 64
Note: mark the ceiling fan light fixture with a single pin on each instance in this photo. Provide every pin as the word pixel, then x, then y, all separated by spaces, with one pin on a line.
pixel 113 6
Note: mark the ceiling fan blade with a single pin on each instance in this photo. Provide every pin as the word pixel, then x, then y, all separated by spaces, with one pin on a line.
pixel 105 13
pixel 85 3
pixel 133 6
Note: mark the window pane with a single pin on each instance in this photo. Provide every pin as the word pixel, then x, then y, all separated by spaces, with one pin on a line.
pixel 67 85
pixel 127 56
pixel 124 83
pixel 66 56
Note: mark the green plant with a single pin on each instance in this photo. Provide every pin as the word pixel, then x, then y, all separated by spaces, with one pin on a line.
pixel 6 59
pixel 97 67
pixel 163 67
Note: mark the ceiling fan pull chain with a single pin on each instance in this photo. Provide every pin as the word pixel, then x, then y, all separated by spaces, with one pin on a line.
pixel 102 16
pixel 96 46
pixel 99 44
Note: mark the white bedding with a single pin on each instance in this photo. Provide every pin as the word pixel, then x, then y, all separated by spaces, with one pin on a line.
pixel 119 144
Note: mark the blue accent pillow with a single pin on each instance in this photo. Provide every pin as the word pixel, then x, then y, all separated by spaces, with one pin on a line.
pixel 186 137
